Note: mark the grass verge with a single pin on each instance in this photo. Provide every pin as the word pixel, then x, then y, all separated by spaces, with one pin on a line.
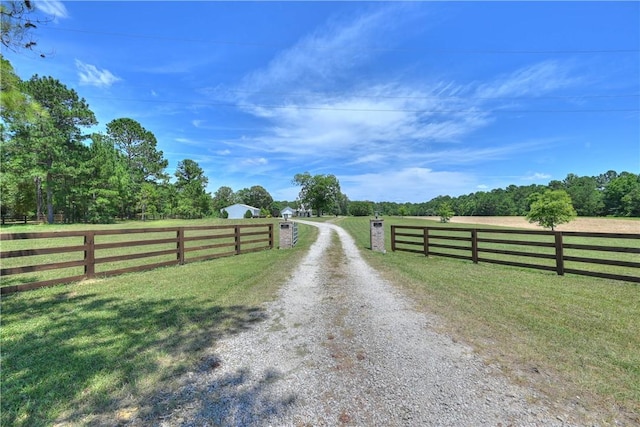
pixel 574 338
pixel 105 351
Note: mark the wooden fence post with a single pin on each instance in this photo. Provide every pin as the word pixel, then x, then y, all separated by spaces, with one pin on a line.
pixel 180 245
pixel 237 239
pixel 393 238
pixel 559 254
pixel 425 241
pixel 89 255
pixel 270 236
pixel 474 246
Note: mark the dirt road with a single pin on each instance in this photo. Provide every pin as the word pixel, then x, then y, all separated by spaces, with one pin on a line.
pixel 341 346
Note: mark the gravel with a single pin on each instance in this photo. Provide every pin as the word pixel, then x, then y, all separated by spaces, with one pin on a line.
pixel 341 346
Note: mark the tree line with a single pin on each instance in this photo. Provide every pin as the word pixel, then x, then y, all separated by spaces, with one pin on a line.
pixel 608 194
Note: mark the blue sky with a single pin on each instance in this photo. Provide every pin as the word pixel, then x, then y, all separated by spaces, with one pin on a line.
pixel 401 101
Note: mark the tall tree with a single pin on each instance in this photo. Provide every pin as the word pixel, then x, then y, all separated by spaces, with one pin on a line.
pixel 319 192
pixel 193 200
pixel 140 149
pixel 551 208
pixel 223 197
pixel 622 195
pixel 50 146
pixel 145 162
pixel 586 198
pixel 256 196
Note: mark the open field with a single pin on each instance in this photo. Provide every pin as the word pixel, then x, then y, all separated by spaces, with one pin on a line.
pixel 573 338
pixel 600 225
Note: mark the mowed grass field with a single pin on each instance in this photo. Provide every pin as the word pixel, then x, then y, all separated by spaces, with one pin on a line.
pixel 574 338
pixel 103 351
pixel 106 350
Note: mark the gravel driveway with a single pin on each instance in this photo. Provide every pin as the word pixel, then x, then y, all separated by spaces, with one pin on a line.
pixel 341 346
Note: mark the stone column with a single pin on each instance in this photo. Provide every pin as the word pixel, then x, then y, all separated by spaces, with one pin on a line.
pixel 377 235
pixel 286 235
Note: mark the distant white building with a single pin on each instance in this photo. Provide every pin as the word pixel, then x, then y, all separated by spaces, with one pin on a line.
pixel 289 211
pixel 238 210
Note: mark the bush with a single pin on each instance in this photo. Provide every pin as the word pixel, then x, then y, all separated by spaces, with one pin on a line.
pixel 361 208
pixel 225 214
pixel 248 214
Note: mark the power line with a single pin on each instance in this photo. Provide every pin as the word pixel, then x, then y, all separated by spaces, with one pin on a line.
pixel 275 45
pixel 370 110
pixel 436 97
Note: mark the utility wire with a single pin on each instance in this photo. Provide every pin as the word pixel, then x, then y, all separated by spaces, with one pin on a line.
pixel 371 110
pixel 274 45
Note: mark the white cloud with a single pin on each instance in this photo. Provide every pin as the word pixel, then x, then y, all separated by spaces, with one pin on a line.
pixel 259 161
pixel 93 76
pixel 537 176
pixel 52 7
pixel 410 184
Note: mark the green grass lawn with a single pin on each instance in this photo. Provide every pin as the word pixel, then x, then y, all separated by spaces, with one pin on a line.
pixel 569 335
pixel 102 349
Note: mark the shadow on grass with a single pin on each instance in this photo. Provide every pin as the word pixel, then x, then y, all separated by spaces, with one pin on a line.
pixel 82 358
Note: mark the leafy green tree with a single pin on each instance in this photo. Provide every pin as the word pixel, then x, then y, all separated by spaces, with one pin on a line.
pixel 14 102
pixel 140 149
pixel 256 196
pixel 144 161
pixel 320 192
pixel 551 208
pixel 586 198
pixel 50 146
pixel 445 212
pixel 193 201
pixel 361 208
pixel 223 197
pixel 621 195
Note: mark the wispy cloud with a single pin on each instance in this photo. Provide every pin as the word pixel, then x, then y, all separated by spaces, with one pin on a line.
pixel 534 80
pixel 323 55
pixel 54 8
pixel 93 76
pixel 406 184
pixel 536 176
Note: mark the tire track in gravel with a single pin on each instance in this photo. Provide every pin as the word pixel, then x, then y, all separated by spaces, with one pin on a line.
pixel 343 347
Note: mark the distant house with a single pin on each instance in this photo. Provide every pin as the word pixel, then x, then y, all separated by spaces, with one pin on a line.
pixel 302 211
pixel 289 211
pixel 238 210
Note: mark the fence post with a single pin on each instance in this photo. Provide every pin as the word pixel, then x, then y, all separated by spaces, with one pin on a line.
pixel 425 241
pixel 474 245
pixel 270 236
pixel 89 254
pixel 180 245
pixel 559 254
pixel 393 238
pixel 237 239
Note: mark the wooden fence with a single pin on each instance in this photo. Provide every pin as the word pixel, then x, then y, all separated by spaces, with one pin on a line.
pixel 101 253
pixel 560 251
